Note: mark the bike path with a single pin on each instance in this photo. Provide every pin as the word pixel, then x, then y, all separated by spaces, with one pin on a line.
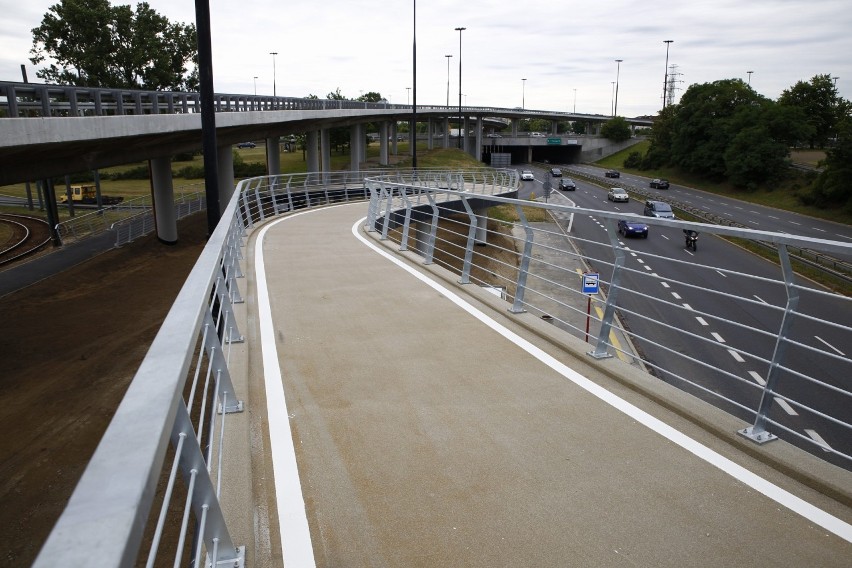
pixel 419 423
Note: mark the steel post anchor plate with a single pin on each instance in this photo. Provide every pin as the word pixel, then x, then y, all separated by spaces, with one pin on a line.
pixel 238 562
pixel 760 437
pixel 232 408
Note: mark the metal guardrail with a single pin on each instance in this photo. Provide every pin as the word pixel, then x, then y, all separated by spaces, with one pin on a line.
pixel 20 100
pixel 784 380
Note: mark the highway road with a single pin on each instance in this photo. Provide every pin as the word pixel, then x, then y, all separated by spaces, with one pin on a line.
pixel 725 337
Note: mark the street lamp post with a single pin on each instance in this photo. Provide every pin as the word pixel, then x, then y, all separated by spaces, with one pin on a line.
pixel 414 83
pixel 575 101
pixel 460 30
pixel 612 99
pixel 255 86
pixel 749 76
pixel 666 77
pixel 523 93
pixel 617 73
pixel 448 80
pixel 274 90
pixel 408 95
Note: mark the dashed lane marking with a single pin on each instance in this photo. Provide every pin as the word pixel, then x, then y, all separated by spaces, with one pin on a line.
pixel 737 357
pixel 830 346
pixel 818 439
pixel 718 337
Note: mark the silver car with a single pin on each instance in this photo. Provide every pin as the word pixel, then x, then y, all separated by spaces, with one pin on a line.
pixel 618 194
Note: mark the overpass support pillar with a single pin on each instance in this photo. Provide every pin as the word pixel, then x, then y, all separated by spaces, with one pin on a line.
pixel 273 156
pixel 325 150
pixel 383 143
pixel 529 154
pixel 554 127
pixel 466 137
pixel 430 131
pixel 355 143
pixel 394 135
pixel 446 132
pixel 312 151
pixel 162 191
pixel 477 149
pixel 514 128
pixel 226 174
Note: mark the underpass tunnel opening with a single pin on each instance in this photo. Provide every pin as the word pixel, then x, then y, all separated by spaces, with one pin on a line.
pixel 521 154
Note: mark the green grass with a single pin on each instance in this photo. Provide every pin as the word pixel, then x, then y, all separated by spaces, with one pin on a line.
pixel 782 196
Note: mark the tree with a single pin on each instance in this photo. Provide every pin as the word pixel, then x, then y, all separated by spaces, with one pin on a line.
pixel 754 158
pixel 616 129
pixel 833 187
pixel 820 102
pixel 95 44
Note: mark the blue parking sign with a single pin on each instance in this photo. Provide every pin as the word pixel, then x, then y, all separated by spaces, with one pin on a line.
pixel 591 283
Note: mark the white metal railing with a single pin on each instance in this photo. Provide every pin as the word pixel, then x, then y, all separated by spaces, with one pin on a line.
pixel 785 382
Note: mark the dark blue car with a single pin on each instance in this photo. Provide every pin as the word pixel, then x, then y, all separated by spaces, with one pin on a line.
pixel 632 229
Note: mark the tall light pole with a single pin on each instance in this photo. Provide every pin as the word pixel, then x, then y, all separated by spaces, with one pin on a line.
pixel 523 93
pixel 460 30
pixel 612 99
pixel 666 77
pixel 617 73
pixel 255 86
pixel 274 90
pixel 408 95
pixel 575 101
pixel 448 80
pixel 749 76
pixel 414 83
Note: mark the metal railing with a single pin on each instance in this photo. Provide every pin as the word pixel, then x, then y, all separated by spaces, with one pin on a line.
pixel 20 100
pixel 732 343
pixel 173 418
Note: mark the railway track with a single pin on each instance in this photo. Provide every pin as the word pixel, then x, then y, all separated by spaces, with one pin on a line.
pixel 27 236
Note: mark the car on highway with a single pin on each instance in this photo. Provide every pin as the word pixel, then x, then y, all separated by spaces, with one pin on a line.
pixel 246 145
pixel 493 135
pixel 616 194
pixel 612 174
pixel 527 175
pixel 536 135
pixel 567 184
pixel 555 172
pixel 658 183
pixel 659 209
pixel 632 229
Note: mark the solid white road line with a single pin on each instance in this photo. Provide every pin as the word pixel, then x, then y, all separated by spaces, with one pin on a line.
pixel 770 490
pixel 292 517
pixel 830 346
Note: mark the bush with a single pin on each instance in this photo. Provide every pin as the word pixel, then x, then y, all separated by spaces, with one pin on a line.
pixel 633 161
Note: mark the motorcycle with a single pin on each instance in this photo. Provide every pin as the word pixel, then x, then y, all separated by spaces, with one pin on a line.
pixel 691 239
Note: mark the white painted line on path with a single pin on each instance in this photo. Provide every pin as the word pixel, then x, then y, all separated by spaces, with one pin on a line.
pixel 292 516
pixel 676 296
pixel 759 299
pixel 757 378
pixel 701 320
pixel 717 337
pixel 786 406
pixel 737 357
pixel 770 490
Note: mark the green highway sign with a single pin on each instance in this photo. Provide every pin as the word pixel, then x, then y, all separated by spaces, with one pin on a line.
pixel 554 141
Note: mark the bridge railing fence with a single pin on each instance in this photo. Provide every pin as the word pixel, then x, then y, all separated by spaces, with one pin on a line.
pixel 538 268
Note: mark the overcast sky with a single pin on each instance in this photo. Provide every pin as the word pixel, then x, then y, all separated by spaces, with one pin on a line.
pixel 558 46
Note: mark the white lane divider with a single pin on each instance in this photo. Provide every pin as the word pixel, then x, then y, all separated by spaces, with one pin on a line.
pixel 702 321
pixel 830 346
pixel 717 337
pixel 781 496
pixel 818 439
pixel 297 549
pixel 737 357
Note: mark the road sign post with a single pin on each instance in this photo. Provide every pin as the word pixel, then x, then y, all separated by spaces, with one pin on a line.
pixel 590 284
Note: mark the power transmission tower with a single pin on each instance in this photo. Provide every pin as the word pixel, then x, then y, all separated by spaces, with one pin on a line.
pixel 671 86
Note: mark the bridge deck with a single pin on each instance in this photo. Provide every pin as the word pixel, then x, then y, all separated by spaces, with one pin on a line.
pixel 429 431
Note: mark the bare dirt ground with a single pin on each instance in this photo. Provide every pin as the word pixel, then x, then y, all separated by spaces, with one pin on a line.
pixel 70 347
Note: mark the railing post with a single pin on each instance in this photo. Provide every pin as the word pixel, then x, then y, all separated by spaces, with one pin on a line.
pixel 600 351
pixel 433 231
pixel 407 223
pixel 468 249
pixel 758 432
pixel 524 268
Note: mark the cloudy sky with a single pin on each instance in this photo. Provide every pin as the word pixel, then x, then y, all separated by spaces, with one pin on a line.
pixel 561 47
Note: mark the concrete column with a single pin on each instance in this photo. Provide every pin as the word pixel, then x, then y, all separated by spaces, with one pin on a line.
pixel 446 132
pixel 355 148
pixel 412 137
pixel 477 151
pixel 383 143
pixel 515 122
pixel 554 127
pixel 162 190
pixel 226 175
pixel 311 140
pixel 273 156
pixel 465 140
pixel 394 134
pixel 325 150
pixel 362 130
pixel 430 131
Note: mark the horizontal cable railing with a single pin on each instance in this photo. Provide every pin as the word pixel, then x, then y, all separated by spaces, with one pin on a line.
pixel 789 382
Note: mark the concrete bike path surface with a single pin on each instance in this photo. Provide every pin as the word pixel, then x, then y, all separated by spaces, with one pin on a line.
pixel 431 428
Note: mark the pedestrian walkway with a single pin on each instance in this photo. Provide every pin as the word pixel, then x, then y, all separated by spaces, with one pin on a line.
pixel 426 425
